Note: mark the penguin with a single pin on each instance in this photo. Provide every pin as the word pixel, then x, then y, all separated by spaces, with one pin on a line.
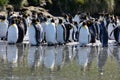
pixel 77 18
pixel 67 26
pixel 12 36
pixel 21 30
pixel 111 26
pixel 44 23
pixel 103 34
pixel 75 31
pixel 34 34
pixel 92 31
pixel 116 32
pixel 26 22
pixel 3 28
pixel 97 28
pixel 71 33
pixel 61 32
pixel 51 33
pixel 41 33
pixel 84 35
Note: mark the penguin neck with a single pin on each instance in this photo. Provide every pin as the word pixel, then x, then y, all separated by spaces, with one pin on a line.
pixel 33 24
pixel 2 20
pixel 14 25
pixel 85 26
pixel 37 23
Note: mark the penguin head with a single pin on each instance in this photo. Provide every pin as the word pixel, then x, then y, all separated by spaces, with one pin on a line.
pixel 89 23
pixel 52 20
pixel 13 21
pixel 2 17
pixel 84 23
pixel 40 14
pixel 25 15
pixel 75 23
pixel 65 16
pixel 37 21
pixel 34 21
pixel 19 19
pixel 60 21
pixel 45 19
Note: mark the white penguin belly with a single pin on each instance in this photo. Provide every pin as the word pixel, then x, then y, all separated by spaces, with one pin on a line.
pixel 3 29
pixel 60 34
pixel 51 34
pixel 83 36
pixel 12 34
pixel 110 28
pixel 32 38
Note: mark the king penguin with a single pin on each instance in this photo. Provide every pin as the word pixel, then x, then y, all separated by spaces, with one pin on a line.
pixel 103 34
pixel 51 33
pixel 21 30
pixel 92 31
pixel 61 30
pixel 34 33
pixel 84 35
pixel 111 27
pixel 3 27
pixel 12 36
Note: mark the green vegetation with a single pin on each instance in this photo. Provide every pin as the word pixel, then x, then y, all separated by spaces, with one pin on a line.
pixel 69 6
pixel 3 2
pixel 16 3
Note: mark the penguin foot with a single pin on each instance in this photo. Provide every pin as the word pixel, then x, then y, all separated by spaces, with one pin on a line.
pixel 60 43
pixel 50 44
pixel 35 44
pixel 83 45
pixel 11 43
pixel 105 46
pixel 3 38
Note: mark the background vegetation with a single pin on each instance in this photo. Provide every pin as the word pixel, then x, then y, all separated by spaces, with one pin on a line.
pixel 57 7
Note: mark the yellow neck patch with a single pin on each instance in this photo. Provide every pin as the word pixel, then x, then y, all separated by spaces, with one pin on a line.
pixel 85 26
pixel 14 25
pixel 2 20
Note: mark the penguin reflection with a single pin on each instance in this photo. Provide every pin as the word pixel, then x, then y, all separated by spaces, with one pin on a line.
pixel 102 58
pixel 72 52
pixel 39 55
pixel 35 57
pixel 82 57
pixel 49 57
pixel 59 57
pixel 91 57
pixel 20 54
pixel 116 54
pixel 31 55
pixel 12 55
pixel 3 55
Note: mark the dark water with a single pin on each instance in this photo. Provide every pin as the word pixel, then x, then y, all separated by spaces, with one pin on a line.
pixel 24 62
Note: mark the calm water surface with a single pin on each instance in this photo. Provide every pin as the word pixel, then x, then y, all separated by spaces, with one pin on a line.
pixel 24 62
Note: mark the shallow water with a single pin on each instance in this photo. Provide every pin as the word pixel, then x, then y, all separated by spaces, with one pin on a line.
pixel 24 62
